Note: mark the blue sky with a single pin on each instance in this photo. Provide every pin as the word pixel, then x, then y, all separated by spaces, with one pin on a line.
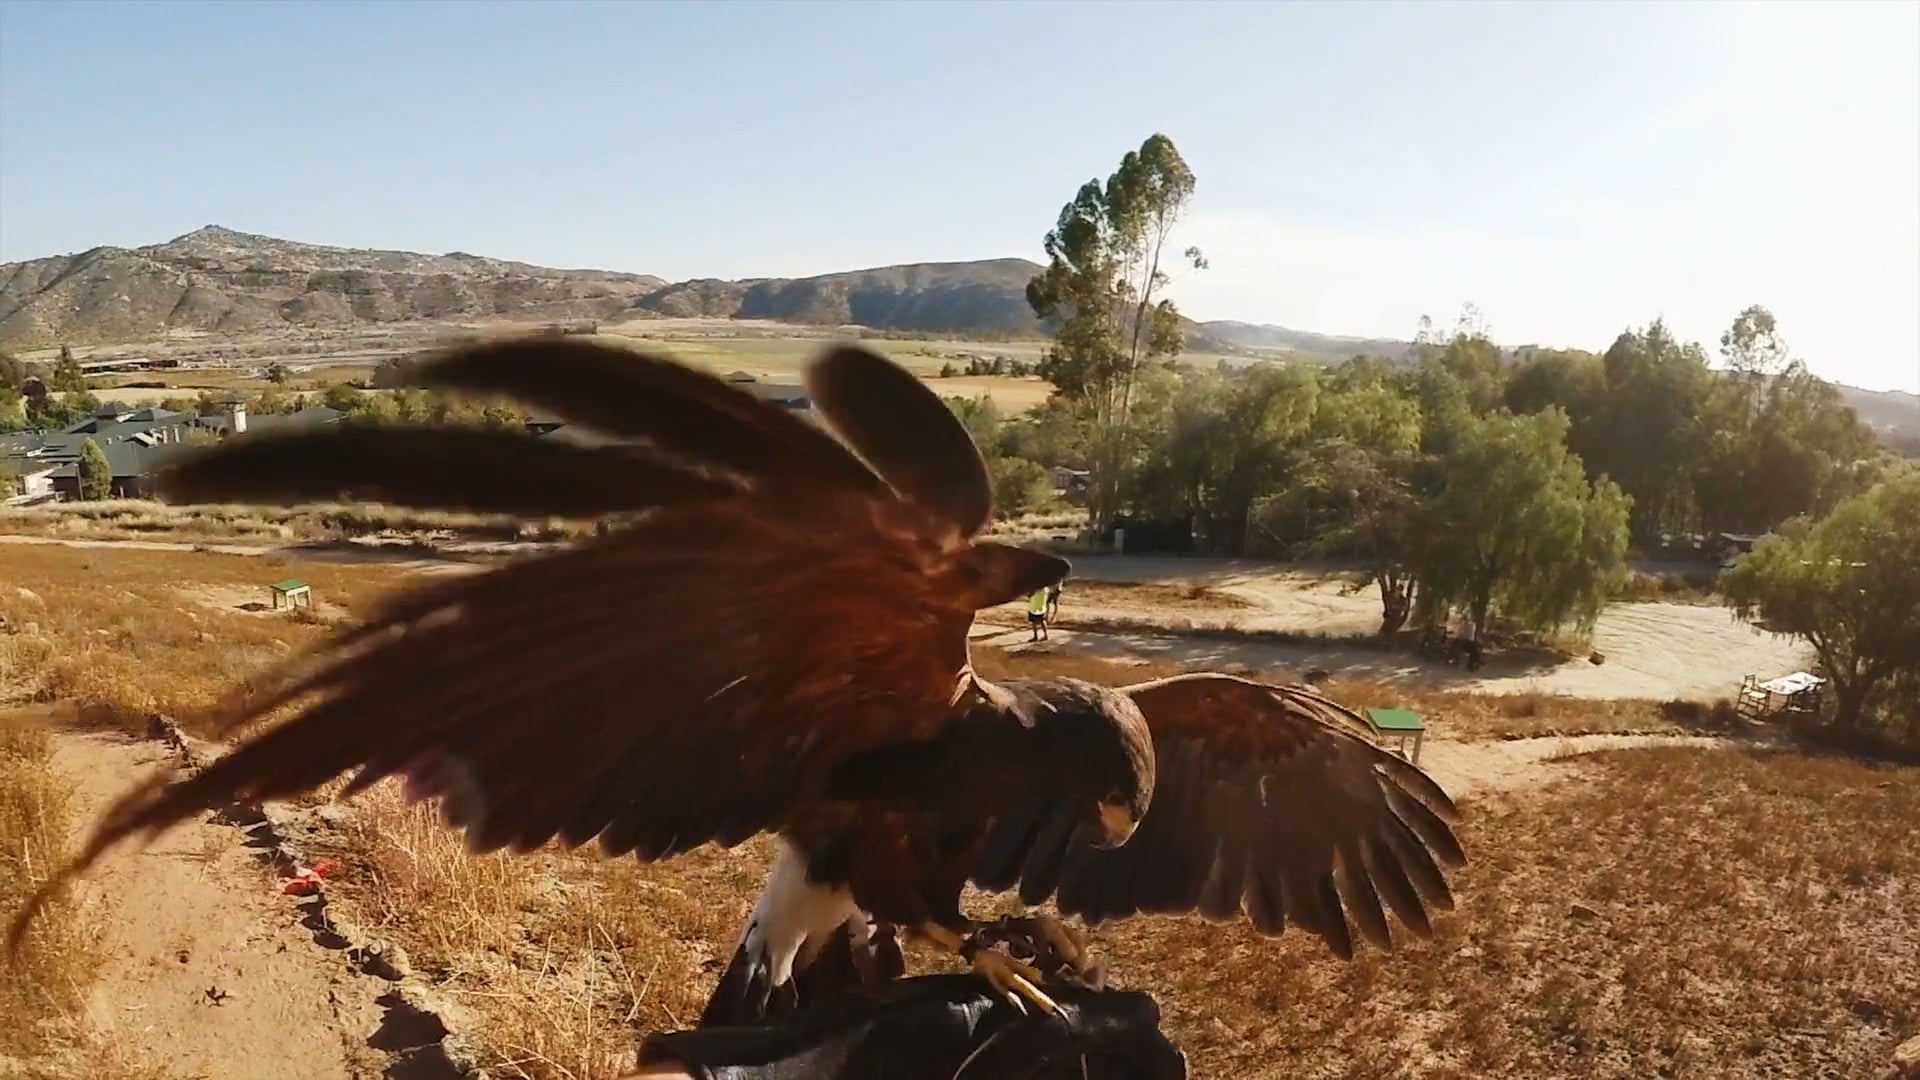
pixel 1572 169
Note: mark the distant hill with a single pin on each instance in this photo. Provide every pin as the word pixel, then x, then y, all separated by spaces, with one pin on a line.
pixel 218 279
pixel 1264 338
pixel 964 297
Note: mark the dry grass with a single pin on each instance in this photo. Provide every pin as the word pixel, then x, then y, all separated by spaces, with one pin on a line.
pixel 140 519
pixel 1686 913
pixel 44 997
pixel 559 958
pixel 48 989
pixel 118 632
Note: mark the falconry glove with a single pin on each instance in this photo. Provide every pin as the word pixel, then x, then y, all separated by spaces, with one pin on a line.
pixel 937 1027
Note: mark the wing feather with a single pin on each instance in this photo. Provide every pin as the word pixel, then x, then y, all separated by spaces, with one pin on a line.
pixel 470 469
pixel 683 681
pixel 1269 800
pixel 906 433
pixel 681 410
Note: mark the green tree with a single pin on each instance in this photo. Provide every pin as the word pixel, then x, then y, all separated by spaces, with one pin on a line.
pixel 14 372
pixel 1849 585
pixel 1517 526
pixel 13 410
pixel 1370 510
pixel 96 475
pixel 344 397
pixel 278 373
pixel 1055 433
pixel 981 417
pixel 1650 430
pixel 1222 447
pixel 1020 486
pixel 66 377
pixel 1102 292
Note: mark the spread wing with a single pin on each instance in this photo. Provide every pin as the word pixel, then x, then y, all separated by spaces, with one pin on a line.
pixel 692 677
pixel 1268 800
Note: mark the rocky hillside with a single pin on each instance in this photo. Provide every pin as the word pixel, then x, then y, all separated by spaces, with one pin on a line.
pixel 966 297
pixel 219 279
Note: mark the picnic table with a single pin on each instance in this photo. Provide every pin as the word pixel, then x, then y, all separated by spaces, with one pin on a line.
pixel 1799 691
pixel 292 591
pixel 1399 725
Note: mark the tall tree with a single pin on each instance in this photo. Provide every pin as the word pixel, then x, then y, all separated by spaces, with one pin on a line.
pixel 96 475
pixel 1224 446
pixel 1102 291
pixel 1650 428
pixel 1517 526
pixel 1849 585
pixel 66 377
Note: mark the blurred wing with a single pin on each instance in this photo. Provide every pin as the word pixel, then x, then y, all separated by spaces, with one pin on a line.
pixel 692 677
pixel 906 433
pixel 1268 800
pixel 468 469
pixel 675 408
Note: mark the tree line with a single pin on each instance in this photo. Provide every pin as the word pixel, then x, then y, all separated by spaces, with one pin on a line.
pixel 1463 475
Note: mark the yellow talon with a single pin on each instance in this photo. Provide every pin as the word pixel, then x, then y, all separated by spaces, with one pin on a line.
pixel 1014 980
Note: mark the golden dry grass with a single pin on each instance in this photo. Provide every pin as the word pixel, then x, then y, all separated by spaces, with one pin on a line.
pixel 44 996
pixel 141 519
pixel 1674 912
pixel 125 633
pixel 41 997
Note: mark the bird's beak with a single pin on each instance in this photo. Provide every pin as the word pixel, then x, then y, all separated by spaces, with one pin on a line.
pixel 1116 825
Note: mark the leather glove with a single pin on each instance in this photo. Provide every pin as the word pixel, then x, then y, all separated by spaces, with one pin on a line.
pixel 936 1027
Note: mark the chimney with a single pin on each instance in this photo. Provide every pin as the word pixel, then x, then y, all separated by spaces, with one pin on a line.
pixel 237 418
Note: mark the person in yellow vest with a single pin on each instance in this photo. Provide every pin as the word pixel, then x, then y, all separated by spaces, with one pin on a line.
pixel 1037 613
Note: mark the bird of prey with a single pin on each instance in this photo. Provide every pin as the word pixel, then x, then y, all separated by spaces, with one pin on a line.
pixel 775 640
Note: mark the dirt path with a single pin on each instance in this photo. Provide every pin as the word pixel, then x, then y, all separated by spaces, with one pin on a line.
pixel 1477 768
pixel 211 970
pixel 1654 652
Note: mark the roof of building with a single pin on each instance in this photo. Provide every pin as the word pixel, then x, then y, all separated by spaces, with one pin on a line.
pixel 125 459
pixel 134 442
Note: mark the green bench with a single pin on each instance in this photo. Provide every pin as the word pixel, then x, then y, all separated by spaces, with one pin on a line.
pixel 292 591
pixel 1399 725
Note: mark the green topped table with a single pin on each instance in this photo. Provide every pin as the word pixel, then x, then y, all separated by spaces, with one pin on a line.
pixel 292 590
pixel 1400 725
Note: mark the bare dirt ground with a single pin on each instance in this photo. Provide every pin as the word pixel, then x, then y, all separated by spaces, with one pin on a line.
pixel 1656 651
pixel 209 968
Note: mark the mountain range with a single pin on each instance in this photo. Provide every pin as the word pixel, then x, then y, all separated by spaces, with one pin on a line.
pixel 219 279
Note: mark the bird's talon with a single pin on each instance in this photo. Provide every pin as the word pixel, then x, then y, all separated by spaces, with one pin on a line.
pixel 1014 981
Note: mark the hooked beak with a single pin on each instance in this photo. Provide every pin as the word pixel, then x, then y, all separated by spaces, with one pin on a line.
pixel 1116 825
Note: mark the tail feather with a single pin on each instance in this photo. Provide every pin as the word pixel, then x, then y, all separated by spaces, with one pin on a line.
pixel 746 994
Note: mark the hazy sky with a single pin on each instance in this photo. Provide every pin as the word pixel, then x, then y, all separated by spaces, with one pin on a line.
pixel 1572 169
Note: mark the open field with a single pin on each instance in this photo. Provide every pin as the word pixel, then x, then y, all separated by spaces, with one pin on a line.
pixel 317 359
pixel 1661 902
